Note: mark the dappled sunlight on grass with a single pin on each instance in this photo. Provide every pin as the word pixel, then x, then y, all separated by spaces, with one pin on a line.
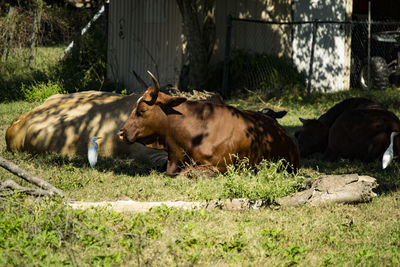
pixel 48 232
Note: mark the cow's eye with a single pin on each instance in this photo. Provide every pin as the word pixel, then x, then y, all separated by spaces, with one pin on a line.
pixel 140 112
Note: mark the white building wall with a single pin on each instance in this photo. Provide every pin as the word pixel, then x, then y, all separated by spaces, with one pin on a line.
pixel 330 48
pixel 147 35
pixel 260 38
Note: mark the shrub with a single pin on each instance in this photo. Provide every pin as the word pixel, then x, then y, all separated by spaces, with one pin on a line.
pixel 259 72
pixel 83 69
pixel 267 181
pixel 39 92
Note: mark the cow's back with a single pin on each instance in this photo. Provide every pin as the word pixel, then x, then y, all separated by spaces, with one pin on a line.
pixel 313 137
pixel 224 130
pixel 65 123
pixel 274 142
pixel 363 134
pixel 333 113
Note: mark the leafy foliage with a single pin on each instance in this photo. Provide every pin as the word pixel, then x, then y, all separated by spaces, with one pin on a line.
pixel 263 72
pixel 268 74
pixel 37 233
pixel 82 69
pixel 266 181
pixel 41 91
pixel 48 232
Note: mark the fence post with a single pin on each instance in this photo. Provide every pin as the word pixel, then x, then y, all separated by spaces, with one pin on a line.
pixel 35 31
pixel 310 70
pixel 369 48
pixel 225 78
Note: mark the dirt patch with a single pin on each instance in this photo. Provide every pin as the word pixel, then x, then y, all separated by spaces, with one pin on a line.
pixel 138 206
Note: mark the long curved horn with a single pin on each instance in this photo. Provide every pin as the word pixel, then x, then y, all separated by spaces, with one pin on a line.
pixel 154 95
pixel 140 80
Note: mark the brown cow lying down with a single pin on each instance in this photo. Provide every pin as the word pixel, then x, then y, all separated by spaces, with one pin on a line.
pixel 65 123
pixel 356 128
pixel 204 133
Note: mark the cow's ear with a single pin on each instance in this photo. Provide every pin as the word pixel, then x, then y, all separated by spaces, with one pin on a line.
pixel 174 101
pixel 280 114
pixel 168 106
pixel 303 120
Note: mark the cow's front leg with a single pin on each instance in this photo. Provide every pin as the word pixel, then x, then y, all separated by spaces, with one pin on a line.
pixel 173 168
pixel 176 156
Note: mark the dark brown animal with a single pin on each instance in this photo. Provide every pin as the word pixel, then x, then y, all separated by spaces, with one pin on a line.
pixel 356 128
pixel 313 137
pixel 205 133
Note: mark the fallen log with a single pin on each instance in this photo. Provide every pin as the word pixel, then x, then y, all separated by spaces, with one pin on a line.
pixel 235 204
pixel 30 178
pixel 346 188
pixel 10 184
pixel 133 206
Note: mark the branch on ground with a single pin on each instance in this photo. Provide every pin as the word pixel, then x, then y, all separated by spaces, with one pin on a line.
pixel 46 189
pixel 12 185
pixel 345 188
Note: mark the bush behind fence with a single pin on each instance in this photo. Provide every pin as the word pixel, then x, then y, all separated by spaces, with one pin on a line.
pixel 21 67
pixel 313 55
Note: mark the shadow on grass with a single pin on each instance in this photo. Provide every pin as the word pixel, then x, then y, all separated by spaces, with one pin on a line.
pixel 290 130
pixel 130 167
pixel 10 87
pixel 388 179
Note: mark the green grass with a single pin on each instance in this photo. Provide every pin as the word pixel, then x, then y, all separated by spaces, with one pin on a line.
pixel 15 72
pixel 47 232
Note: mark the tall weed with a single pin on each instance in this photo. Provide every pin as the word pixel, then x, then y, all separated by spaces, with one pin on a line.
pixel 266 181
pixel 39 92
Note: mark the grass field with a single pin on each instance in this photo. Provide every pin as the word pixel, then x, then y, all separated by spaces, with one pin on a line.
pixel 47 232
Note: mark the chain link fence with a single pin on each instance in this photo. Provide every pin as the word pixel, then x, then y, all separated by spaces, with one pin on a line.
pixel 310 55
pixel 383 58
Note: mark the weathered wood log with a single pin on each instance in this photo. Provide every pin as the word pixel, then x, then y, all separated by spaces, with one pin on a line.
pixel 10 184
pixel 30 178
pixel 346 188
pixel 134 206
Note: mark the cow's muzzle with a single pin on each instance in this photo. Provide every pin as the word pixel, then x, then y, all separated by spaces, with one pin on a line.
pixel 124 136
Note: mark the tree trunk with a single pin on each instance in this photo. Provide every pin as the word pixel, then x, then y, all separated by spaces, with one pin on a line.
pixel 199 39
pixel 7 32
pixel 35 30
